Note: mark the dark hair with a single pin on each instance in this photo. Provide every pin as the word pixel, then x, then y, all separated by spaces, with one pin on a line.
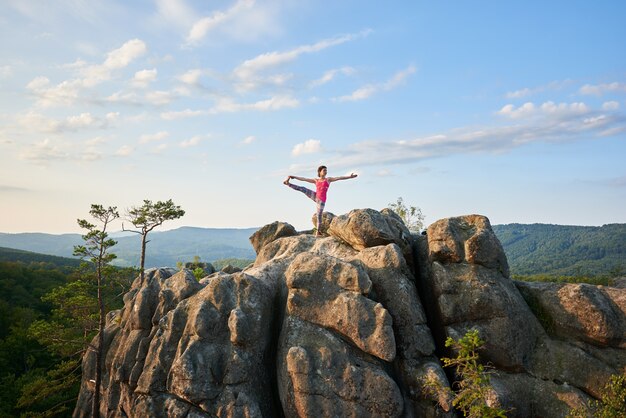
pixel 320 168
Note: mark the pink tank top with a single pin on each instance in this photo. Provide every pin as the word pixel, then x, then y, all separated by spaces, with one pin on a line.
pixel 321 187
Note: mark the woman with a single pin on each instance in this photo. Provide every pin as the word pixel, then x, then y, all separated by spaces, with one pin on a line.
pixel 321 187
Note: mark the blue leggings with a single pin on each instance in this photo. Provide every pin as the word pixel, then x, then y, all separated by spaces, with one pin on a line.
pixel 313 196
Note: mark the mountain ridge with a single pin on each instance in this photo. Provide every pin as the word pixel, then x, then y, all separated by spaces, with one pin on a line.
pixel 530 248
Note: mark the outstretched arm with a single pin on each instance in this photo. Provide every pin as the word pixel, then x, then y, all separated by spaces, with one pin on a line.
pixel 351 176
pixel 308 180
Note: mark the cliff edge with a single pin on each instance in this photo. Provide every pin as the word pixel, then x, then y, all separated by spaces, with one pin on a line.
pixel 351 325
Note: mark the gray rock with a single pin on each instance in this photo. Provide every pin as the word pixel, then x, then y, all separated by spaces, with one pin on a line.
pixel 271 232
pixel 327 218
pixel 229 269
pixel 594 314
pixel 351 324
pixel 319 375
pixel 364 228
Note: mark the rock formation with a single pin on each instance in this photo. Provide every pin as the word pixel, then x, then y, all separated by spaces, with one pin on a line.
pixel 352 325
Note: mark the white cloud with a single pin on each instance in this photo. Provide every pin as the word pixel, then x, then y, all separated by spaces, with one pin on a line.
pixel 124 151
pixel 248 140
pixel 359 94
pixel 228 105
pixel 612 105
pixel 550 123
pixel 182 114
pixel 331 74
pixel 159 148
pixel 159 98
pixel 68 92
pixel 518 94
pixel 369 90
pixel 176 11
pixel 144 77
pixel 124 97
pixel 202 27
pixel 526 91
pixel 192 142
pixel 309 146
pixel 159 136
pixel 246 74
pixel 64 93
pixel 529 109
pixel 43 151
pixel 36 122
pixel 511 111
pixel 97 141
pixel 399 78
pixel 191 77
pixel 600 89
pixel 273 103
pixel 124 55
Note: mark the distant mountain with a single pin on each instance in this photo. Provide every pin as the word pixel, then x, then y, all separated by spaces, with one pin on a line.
pixel 530 248
pixel 165 248
pixel 564 250
pixel 28 257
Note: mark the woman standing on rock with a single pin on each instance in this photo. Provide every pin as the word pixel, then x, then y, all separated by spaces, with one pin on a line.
pixel 321 187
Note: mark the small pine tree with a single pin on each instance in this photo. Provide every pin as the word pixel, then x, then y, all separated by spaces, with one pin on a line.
pixel 147 217
pixel 96 250
pixel 474 381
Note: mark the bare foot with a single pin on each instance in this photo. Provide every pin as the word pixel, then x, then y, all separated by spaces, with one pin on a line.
pixel 286 182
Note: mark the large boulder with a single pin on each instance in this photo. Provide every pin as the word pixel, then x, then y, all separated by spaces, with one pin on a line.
pixel 471 288
pixel 327 219
pixel 337 302
pixel 270 233
pixel 365 228
pixel 467 238
pixel 320 375
pixel 594 314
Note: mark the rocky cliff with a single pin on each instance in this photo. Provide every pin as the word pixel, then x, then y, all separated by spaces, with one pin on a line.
pixel 351 325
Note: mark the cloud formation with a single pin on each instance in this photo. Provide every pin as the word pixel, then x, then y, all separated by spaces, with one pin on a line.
pixel 144 77
pixel 229 105
pixel 331 74
pixel 601 89
pixel 202 27
pixel 36 122
pixel 369 90
pixel 309 146
pixel 247 76
pixel 248 140
pixel 191 142
pixel 548 122
pixel 159 136
pixel 69 91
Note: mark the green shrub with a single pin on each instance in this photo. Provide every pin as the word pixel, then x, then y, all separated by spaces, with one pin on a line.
pixel 473 386
pixel 612 402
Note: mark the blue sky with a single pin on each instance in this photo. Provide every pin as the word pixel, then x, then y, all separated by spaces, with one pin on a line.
pixel 513 110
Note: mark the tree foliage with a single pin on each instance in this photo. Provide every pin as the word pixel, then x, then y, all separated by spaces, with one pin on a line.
pixel 612 402
pixel 473 386
pixel 411 215
pixel 96 249
pixel 149 216
pixel 562 250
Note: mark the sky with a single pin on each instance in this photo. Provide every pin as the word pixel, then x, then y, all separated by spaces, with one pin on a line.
pixel 512 110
